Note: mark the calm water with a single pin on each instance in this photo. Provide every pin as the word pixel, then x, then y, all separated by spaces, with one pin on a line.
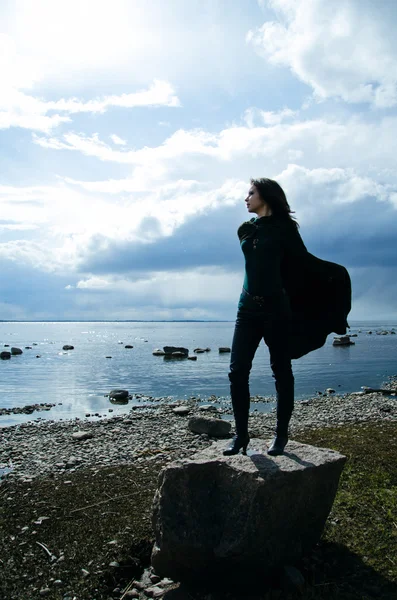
pixel 79 379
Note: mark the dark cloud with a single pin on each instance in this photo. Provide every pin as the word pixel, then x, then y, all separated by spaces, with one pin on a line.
pixel 203 241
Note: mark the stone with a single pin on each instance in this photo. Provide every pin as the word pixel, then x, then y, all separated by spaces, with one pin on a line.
pixel 170 350
pixel 154 591
pixel 330 391
pixel 131 594
pixel 224 349
pixel 15 351
pixel 45 591
pixel 128 346
pixel 210 426
pixel 176 354
pixel 192 357
pixel 199 350
pixel 238 516
pixel 72 461
pixel 158 352
pixel 181 410
pixel 119 395
pixel 343 340
pixel 5 355
pixel 79 436
pixel 208 408
pixel 67 347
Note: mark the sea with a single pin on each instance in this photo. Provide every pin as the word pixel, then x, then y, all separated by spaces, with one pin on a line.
pixel 78 381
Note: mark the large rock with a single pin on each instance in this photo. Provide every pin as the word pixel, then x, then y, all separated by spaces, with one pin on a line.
pixel 241 516
pixel 212 427
pixel 15 351
pixel 175 351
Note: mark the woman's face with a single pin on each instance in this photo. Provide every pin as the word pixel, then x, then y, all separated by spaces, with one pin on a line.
pixel 255 204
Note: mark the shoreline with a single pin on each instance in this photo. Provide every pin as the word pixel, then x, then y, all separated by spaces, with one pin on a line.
pixel 155 433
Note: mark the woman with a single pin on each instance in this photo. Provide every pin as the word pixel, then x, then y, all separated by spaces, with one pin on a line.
pixel 264 309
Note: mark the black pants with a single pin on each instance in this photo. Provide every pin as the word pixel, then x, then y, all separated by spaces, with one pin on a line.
pixel 252 325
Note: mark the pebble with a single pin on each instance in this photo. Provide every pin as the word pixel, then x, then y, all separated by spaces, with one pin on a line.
pixel 82 435
pixel 181 410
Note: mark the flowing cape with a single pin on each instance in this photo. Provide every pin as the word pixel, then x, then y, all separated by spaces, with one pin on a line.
pixel 319 292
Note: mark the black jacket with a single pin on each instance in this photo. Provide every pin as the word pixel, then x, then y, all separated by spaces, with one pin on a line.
pixel 319 291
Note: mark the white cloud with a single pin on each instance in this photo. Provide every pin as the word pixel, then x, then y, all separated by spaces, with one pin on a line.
pixel 117 140
pixel 251 150
pixel 254 115
pixel 317 194
pixel 18 109
pixel 93 283
pixel 345 49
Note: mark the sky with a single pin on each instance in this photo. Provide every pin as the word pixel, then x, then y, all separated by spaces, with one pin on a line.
pixel 129 131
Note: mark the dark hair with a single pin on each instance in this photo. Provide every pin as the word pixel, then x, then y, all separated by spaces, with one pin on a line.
pixel 273 194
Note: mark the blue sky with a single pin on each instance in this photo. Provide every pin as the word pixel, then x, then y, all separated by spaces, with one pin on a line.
pixel 129 132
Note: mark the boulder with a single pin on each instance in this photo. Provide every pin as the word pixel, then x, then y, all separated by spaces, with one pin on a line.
pixel 15 351
pixel 241 516
pixel 128 346
pixel 5 355
pixel 118 396
pixel 158 352
pixel 223 350
pixel 192 357
pixel 171 350
pixel 67 347
pixel 343 340
pixel 212 427
pixel 199 350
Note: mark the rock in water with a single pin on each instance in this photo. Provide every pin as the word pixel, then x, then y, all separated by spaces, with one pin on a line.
pixel 119 396
pixel 239 516
pixel 67 347
pixel 15 351
pixel 5 355
pixel 172 350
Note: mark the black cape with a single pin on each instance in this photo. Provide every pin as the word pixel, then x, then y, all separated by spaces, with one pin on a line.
pixel 319 292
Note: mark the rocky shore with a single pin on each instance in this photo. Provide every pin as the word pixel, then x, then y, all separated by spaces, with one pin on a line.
pixel 75 496
pixel 160 432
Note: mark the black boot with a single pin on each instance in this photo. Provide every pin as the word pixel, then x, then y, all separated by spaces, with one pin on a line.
pixel 285 405
pixel 278 444
pixel 238 442
pixel 239 392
